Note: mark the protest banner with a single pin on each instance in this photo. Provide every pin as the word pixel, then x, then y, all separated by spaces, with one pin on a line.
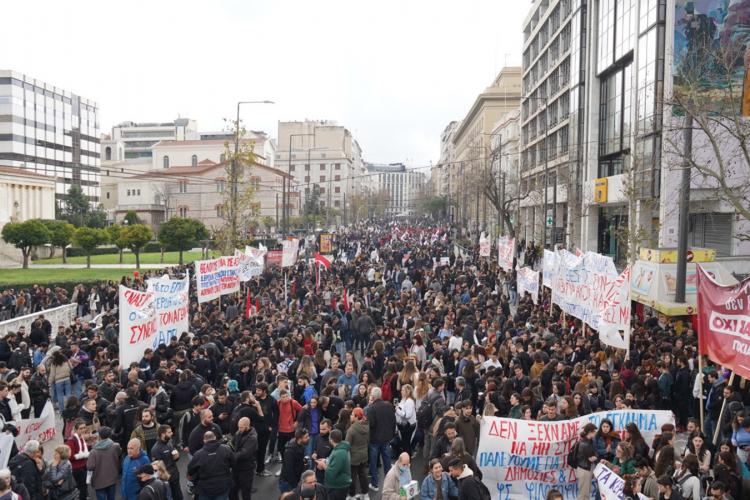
pixel 6 445
pixel 248 266
pixel 289 252
pixel 325 243
pixel 549 267
pixel 171 308
pixel 137 323
pixel 609 484
pixel 506 250
pixel 614 312
pixel 581 283
pixel 41 429
pixel 724 322
pixel 485 247
pixel 273 258
pixel 524 459
pixel 216 277
pixel 527 280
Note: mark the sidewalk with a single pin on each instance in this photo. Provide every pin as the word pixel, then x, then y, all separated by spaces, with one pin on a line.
pixel 95 266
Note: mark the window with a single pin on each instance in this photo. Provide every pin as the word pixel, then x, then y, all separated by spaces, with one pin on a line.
pixel 194 161
pixel 219 210
pixel 139 192
pixel 322 166
pixel 307 167
pixel 337 166
pixel 307 190
pixel 337 189
pixel 108 153
pixel 182 187
pixel 322 190
pixel 307 178
pixel 165 161
pixel 711 230
pixel 614 112
pixel 336 177
pixel 220 186
pixel 336 203
pixel 255 182
pixel 291 168
pixel 128 192
pixel 182 211
pixel 107 194
pixel 322 178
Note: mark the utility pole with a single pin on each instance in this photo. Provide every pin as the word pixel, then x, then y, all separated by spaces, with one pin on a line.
pixel 234 173
pixel 682 234
pixel 277 211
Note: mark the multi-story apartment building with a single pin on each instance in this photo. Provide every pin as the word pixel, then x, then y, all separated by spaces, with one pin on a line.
pixel 470 167
pixel 138 138
pixel 404 187
pixel 440 173
pixel 322 153
pixel 49 131
pixel 598 128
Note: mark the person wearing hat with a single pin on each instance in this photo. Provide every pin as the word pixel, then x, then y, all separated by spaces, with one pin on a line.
pixel 667 490
pixel 151 488
pixel 358 437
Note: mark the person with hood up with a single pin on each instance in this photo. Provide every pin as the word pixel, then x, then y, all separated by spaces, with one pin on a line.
pixel 104 464
pixel 338 476
pixel 469 486
pixel 358 436
pixel 130 487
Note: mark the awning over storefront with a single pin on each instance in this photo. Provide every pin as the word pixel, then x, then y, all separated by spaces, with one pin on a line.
pixel 654 278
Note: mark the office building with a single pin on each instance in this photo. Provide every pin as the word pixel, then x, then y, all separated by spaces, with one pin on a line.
pixel 139 138
pixel 403 187
pixel 49 131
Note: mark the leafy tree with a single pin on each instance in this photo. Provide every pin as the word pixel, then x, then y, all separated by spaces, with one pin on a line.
pixel 182 233
pixel 114 231
pixel 25 236
pixel 79 211
pixel 88 238
pixel 135 238
pixel 61 233
pixel 268 222
pixel 132 218
pixel 312 202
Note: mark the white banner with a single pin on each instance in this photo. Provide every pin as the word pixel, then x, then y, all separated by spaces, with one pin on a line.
pixel 171 307
pixel 249 266
pixel 41 429
pixel 550 262
pixel 614 311
pixel 290 249
pixel 6 445
pixel 527 280
pixel 610 484
pixel 485 247
pixel 216 277
pixel 137 324
pixel 506 249
pixel 580 285
pixel 524 459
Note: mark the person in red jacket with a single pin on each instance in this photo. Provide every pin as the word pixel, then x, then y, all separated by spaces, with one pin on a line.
pixel 288 411
pixel 79 453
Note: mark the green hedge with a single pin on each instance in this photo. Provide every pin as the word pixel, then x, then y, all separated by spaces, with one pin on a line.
pixel 152 247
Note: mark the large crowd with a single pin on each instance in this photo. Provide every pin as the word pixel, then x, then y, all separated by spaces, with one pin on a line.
pixel 376 376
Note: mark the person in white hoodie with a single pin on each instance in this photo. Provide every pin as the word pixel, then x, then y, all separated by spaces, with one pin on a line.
pixel 406 418
pixel 686 478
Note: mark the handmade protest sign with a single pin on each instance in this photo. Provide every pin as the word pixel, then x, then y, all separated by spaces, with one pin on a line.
pixel 249 265
pixel 216 277
pixel 614 310
pixel 610 485
pixel 41 429
pixel 485 247
pixel 527 280
pixel 137 323
pixel 505 251
pixel 171 308
pixel 524 459
pixel 549 267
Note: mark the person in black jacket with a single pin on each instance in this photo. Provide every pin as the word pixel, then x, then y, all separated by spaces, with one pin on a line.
pixel 211 467
pixel 151 488
pixel 190 421
pixel 382 418
pixel 683 392
pixel 125 417
pixel 265 424
pixel 245 446
pixel 469 486
pixel 196 439
pixel 585 456
pixel 28 468
pixel 165 451
pixel 294 461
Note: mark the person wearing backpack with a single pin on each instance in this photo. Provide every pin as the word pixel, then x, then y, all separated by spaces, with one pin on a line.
pixel 469 486
pixel 151 488
pixel 686 480
pixel 426 412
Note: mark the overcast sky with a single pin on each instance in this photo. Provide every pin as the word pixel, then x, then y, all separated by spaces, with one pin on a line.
pixel 393 72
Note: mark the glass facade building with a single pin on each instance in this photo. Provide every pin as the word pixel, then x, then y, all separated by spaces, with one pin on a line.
pixel 50 131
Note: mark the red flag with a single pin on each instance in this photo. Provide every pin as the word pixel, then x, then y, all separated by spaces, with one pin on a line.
pixel 322 261
pixel 257 305
pixel 249 304
pixel 345 299
pixel 724 320
pixel 333 303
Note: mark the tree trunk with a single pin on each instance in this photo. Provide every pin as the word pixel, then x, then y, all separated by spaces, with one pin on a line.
pixel 25 257
pixel 121 256
pixel 161 258
pixel 52 251
pixel 65 255
pixel 88 261
pixel 137 259
pixel 180 255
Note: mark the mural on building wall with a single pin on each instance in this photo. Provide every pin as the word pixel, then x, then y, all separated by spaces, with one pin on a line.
pixel 712 52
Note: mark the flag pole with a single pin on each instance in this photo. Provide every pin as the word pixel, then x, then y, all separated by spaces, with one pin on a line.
pixel 700 382
pixel 721 413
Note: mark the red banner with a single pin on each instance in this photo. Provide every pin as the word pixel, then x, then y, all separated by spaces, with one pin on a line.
pixel 273 258
pixel 724 323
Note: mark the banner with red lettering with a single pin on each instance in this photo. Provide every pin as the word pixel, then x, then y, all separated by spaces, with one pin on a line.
pixel 216 277
pixel 614 311
pixel 171 307
pixel 485 247
pixel 724 322
pixel 41 429
pixel 506 250
pixel 524 459
pixel 527 280
pixel 273 258
pixel 289 252
pixel 137 324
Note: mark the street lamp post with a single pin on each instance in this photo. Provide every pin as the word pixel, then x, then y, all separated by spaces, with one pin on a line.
pixel 233 181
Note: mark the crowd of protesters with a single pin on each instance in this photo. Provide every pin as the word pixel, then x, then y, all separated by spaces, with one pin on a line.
pixel 344 385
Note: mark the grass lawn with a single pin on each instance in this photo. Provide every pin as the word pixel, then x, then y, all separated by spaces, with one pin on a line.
pixel 54 276
pixel 127 258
